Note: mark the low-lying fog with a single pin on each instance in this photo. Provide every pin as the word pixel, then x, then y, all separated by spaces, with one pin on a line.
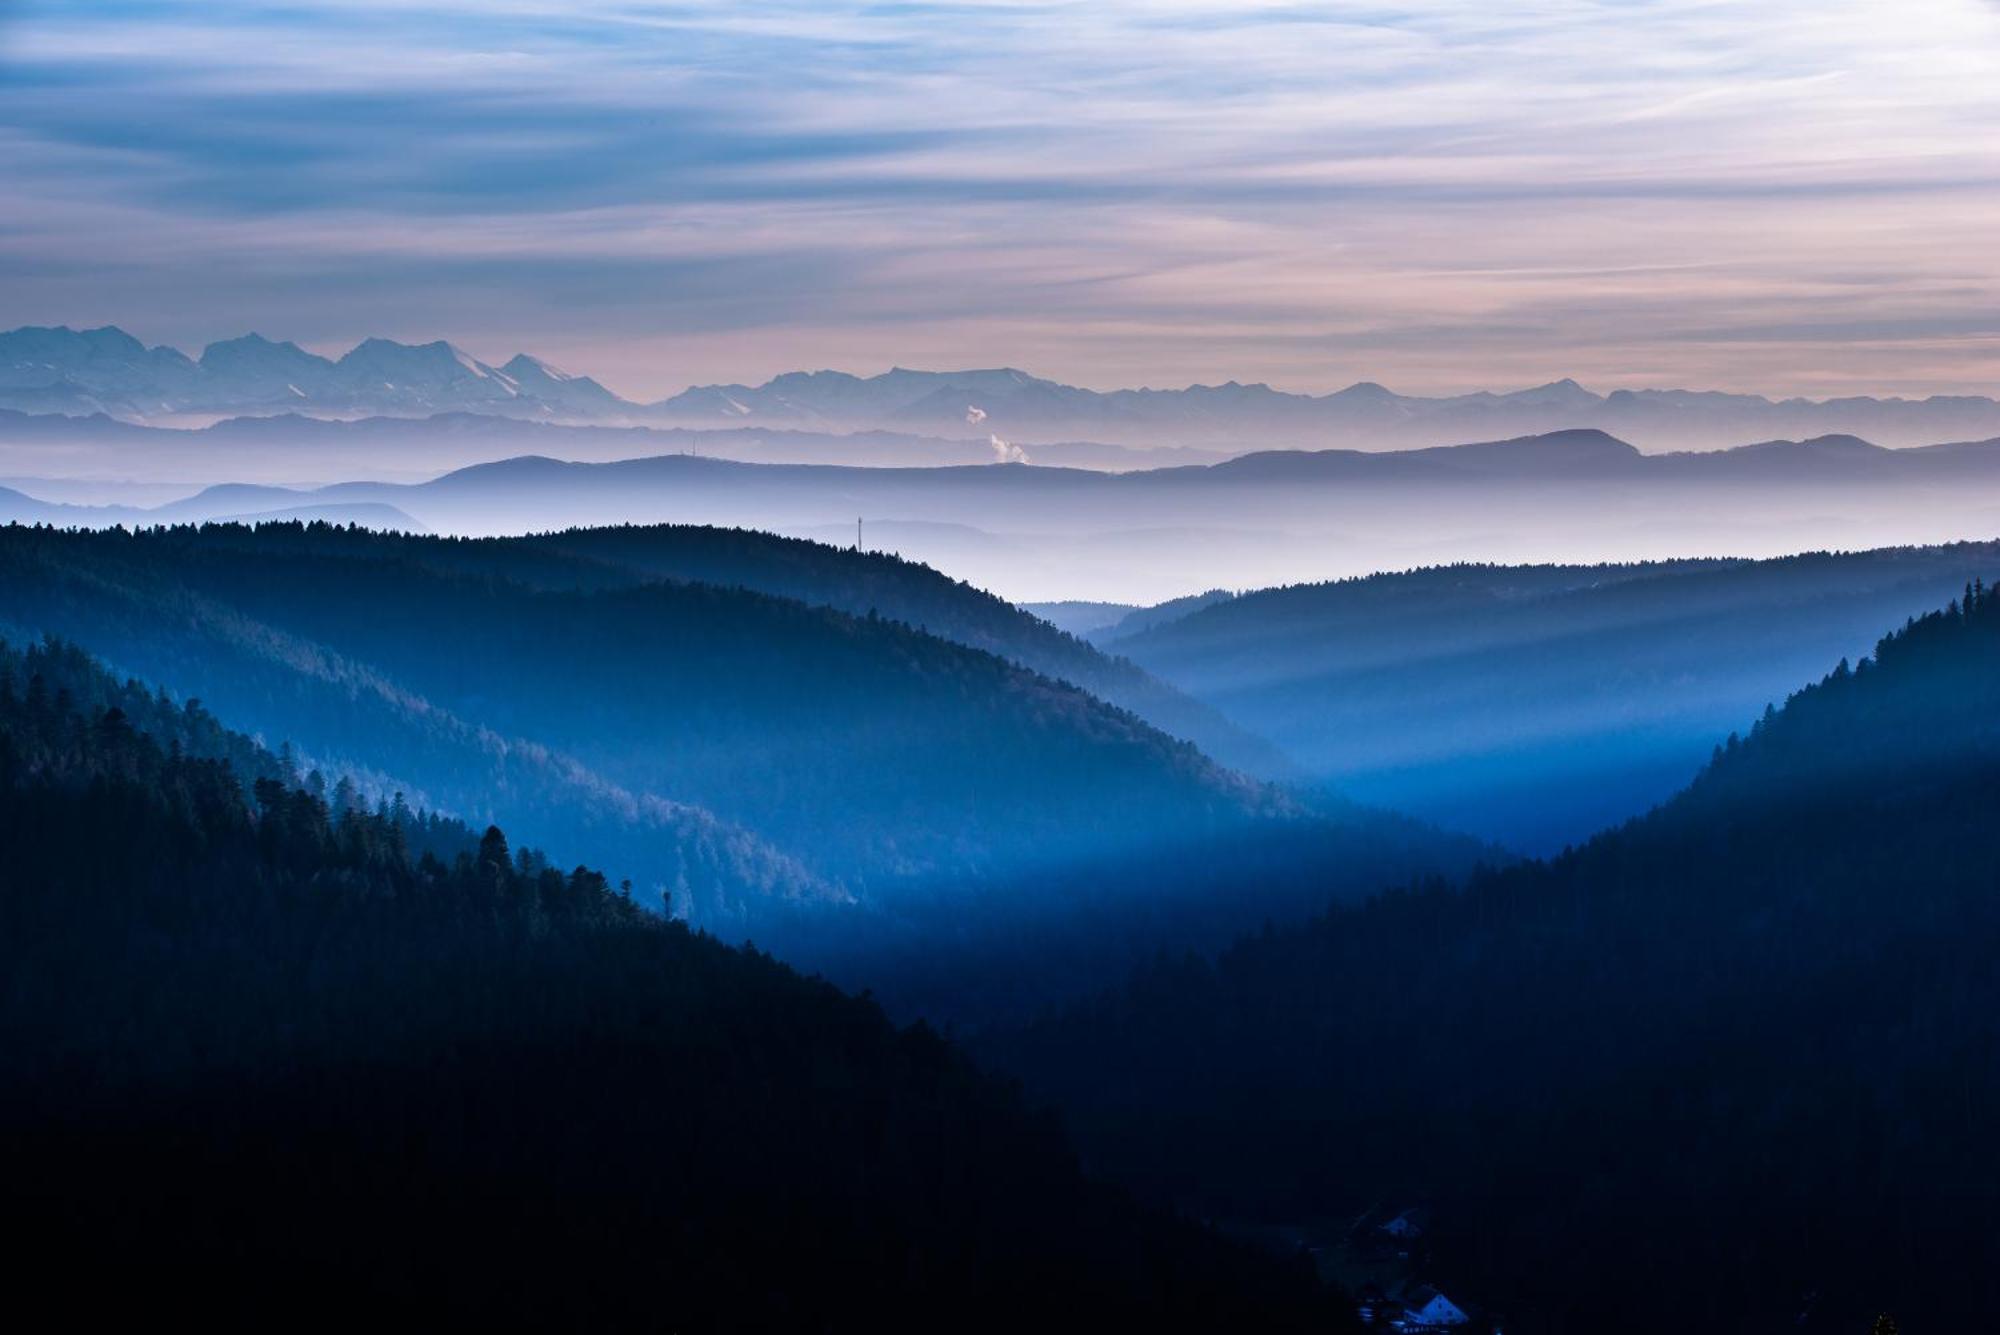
pixel 1040 533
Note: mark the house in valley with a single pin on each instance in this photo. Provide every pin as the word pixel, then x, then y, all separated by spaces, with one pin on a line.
pixel 1426 1308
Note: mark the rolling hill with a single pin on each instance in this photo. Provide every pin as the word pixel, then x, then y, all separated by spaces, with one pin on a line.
pixel 859 583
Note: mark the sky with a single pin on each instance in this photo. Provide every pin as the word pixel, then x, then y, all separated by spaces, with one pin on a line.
pixel 1784 196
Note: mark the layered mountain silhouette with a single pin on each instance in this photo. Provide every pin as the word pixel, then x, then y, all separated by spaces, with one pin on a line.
pixel 1536 705
pixel 291 446
pixel 60 370
pixel 1027 531
pixel 1733 1056
pixel 769 764
pixel 1577 455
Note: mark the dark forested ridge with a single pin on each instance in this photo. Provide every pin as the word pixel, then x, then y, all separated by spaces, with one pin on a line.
pixel 1536 705
pixel 354 718
pixel 843 738
pixel 758 758
pixel 276 1057
pixel 858 582
pixel 862 582
pixel 1732 1066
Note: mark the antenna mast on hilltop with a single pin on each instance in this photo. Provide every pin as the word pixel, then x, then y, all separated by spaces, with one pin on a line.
pixel 857 534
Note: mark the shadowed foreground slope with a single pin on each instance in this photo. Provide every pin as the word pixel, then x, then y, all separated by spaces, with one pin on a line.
pixel 283 1061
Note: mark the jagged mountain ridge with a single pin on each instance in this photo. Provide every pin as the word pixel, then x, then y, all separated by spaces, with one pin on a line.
pixel 58 369
pixel 108 371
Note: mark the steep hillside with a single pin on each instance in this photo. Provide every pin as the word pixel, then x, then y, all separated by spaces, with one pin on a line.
pixel 1738 1056
pixel 1535 705
pixel 276 1053
pixel 870 763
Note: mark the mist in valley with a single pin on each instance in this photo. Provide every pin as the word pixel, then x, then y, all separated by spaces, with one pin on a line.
pixel 744 667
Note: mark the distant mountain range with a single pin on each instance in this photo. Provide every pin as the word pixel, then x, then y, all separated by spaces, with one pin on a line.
pixel 81 372
pixel 106 370
pixel 1026 532
pixel 292 447
pixel 1583 456
pixel 1022 407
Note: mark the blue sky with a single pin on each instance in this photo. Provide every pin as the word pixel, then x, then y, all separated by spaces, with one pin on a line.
pixel 1783 196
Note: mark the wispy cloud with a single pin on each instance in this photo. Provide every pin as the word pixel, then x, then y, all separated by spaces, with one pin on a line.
pixel 1439 193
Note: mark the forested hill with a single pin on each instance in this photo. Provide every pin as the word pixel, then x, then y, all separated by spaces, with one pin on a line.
pixel 851 581
pixel 860 582
pixel 1732 1066
pixel 813 572
pixel 868 761
pixel 353 719
pixel 274 1057
pixel 847 741
pixel 1536 705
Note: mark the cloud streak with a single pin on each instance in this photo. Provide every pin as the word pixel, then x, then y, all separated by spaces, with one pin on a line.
pixel 1790 196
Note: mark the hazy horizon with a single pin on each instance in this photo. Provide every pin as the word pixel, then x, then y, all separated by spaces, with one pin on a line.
pixel 1789 199
pixel 1263 783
